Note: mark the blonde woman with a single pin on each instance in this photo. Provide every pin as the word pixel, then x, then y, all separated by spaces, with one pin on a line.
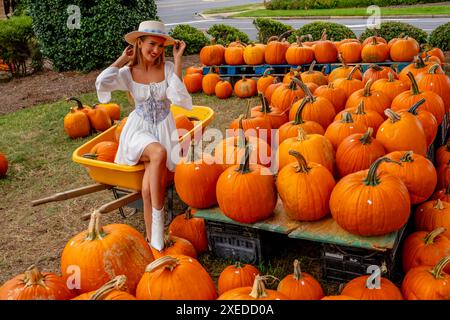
pixel 150 134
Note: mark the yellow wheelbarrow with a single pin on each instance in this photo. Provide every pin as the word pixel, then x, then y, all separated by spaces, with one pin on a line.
pixel 123 179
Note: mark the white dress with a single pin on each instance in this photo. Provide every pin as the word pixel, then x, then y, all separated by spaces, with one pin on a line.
pixel 151 121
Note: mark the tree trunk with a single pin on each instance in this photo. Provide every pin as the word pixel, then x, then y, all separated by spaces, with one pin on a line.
pixel 2 10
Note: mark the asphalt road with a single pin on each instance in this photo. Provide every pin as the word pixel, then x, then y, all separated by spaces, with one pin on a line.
pixel 174 12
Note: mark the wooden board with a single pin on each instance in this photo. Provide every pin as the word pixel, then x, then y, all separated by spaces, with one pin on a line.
pixel 325 230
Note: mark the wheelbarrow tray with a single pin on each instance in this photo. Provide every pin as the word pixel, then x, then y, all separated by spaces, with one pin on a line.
pixel 130 177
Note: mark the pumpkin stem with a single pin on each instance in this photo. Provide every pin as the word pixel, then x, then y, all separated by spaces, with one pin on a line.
pixel 341 59
pixel 92 156
pixel 244 167
pixel 163 262
pixel 367 88
pixel 391 77
pixel 376 67
pixel 298 114
pixel 284 34
pixel 33 277
pixel 299 41
pixel 95 231
pixel 115 284
pixel 238 265
pixel 415 106
pixel 346 117
pixel 188 214
pixel 367 136
pixel 418 62
pixel 393 116
pixel 324 35
pixel 241 139
pixel 437 270
pixel 439 205
pixel 79 104
pixel 272 38
pixel 297 270
pixel 433 68
pixel 360 109
pixel 374 41
pixel 372 178
pixel 306 90
pixel 302 163
pixel 414 87
pixel 407 157
pixel 311 66
pixel 265 106
pixel 168 241
pixel 301 134
pixel 350 75
pixel 259 289
pixel 429 238
pixel 266 73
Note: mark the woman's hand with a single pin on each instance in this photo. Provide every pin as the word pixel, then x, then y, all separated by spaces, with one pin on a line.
pixel 125 57
pixel 178 49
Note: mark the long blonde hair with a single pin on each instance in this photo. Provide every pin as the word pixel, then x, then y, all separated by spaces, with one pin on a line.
pixel 137 54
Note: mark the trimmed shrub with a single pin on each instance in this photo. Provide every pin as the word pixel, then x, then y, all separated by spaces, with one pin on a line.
pixel 268 27
pixel 225 34
pixel 329 4
pixel 392 29
pixel 335 31
pixel 18 44
pixel 99 39
pixel 440 37
pixel 194 38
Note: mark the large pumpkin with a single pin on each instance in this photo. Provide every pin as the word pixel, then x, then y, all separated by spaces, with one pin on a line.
pixel 223 90
pixel 176 277
pixel 276 48
pixel 336 96
pixel 102 253
pixel 193 82
pixel 358 202
pixel 252 183
pixel 196 177
pixel 349 84
pixel 359 289
pixel 254 54
pixel 300 285
pixel 402 131
pixel 357 152
pixel 431 215
pixel 99 118
pixel 350 51
pixel 416 172
pixel 112 290
pixel 314 147
pixel 325 51
pixel 265 81
pixel 341 129
pixel 375 51
pixel 236 276
pixel 305 188
pixel 189 227
pixel 213 54
pixel 423 248
pixel 314 76
pixel 427 282
pixel 404 49
pixel 436 82
pixel 256 292
pixel 113 110
pixel 286 95
pixel 36 285
pixel 175 245
pixel 298 54
pixel 369 118
pixel 234 55
pixel 245 88
pixel 209 82
pixel 391 87
pixel 373 100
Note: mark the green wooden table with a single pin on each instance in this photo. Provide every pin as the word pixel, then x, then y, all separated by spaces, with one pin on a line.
pixel 325 230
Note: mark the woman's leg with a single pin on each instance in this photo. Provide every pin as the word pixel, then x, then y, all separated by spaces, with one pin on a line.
pixel 147 200
pixel 155 179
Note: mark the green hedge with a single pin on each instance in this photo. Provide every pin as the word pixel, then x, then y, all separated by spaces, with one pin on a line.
pixel 18 44
pixel 329 4
pixel 99 40
pixel 268 27
pixel 194 38
pixel 335 31
pixel 225 34
pixel 392 29
pixel 440 37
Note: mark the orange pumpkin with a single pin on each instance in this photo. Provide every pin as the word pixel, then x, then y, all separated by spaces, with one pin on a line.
pixel 99 118
pixel 275 117
pixel 376 72
pixel 423 248
pixel 298 54
pixel 443 172
pixel 404 49
pixel 391 87
pixel 443 154
pixel 112 290
pixel 103 151
pixel 176 277
pixel 351 51
pixel 343 72
pixel 416 172
pixel 257 292
pixel 236 276
pixel 325 51
pixel 434 52
pixel 276 50
pixel 349 84
pixel 305 188
pixel 427 282
pixel 193 82
pixel 192 69
pixel 223 90
pixel 254 54
pixel 358 201
pixel 76 123
pixel 265 81
pixel 359 289
pixel 119 129
pixel 431 215
pixel 285 95
pixel 436 82
pixel 316 77
pixel 300 285
pixel 341 129
pixel 113 110
pixel 213 54
pixel 369 118
pixel 442 194
pixel 245 88
pixel 36 285
pixel 209 82
pixel 357 152
pixel 101 253
pixel 374 51
pixel 190 228
pixel 370 40
pixel 3 165
pixel 183 124
pixel 271 89
pixel 417 67
pixel 234 55
pixel 175 245
pixel 252 127
pixel 333 94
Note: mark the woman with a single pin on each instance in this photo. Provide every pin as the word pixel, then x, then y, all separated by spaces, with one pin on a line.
pixel 150 134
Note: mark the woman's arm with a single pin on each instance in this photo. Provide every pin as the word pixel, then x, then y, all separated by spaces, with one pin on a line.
pixel 124 58
pixel 178 49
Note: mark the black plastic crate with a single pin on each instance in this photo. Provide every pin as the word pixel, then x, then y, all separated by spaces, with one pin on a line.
pixel 245 244
pixel 342 263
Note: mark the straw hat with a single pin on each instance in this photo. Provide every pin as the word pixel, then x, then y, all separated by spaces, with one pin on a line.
pixel 150 28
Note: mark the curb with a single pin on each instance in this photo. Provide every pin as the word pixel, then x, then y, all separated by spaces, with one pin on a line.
pixel 222 16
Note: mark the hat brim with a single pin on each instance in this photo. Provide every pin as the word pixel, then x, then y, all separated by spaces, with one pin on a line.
pixel 132 36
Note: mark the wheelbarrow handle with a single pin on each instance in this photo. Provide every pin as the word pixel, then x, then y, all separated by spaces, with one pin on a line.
pixel 69 194
pixel 116 204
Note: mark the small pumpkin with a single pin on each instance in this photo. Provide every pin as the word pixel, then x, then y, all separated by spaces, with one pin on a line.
pixel 416 67
pixel 358 201
pixel 254 54
pixel 404 49
pixel 325 51
pixel 193 69
pixel 234 55
pixel 236 276
pixel 343 71
pixel 175 245
pixel 223 89
pixel 443 172
pixel 442 194
pixel 376 72
pixel 436 82
pixel 314 76
pixel 3 165
pixel 350 51
pixel 341 129
pixel 286 95
pixel 427 282
pixel 192 229
pixel 431 215
pixel 103 151
pixel 245 88
pixel 212 54
pixel 183 124
pixel 305 188
pixel 76 122
pixel 99 118
pixel 112 290
pixel 434 52
pixel 209 82
pixel 374 51
pixel 193 82
pixel 336 96
pixel 275 117
pixel 349 84
pixel 300 285
pixel 265 81
pixel 358 288
pixel 119 129
pixel 113 110
pixel 443 154
pixel 271 89
pixel 298 54
pixel 391 87
pixel 176 277
pixel 276 50
pixel 369 118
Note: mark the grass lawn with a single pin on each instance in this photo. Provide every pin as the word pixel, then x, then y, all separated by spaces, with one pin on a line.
pixel 234 9
pixel 425 10
pixel 39 154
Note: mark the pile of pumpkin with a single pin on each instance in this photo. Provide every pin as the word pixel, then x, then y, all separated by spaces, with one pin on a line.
pixel 114 262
